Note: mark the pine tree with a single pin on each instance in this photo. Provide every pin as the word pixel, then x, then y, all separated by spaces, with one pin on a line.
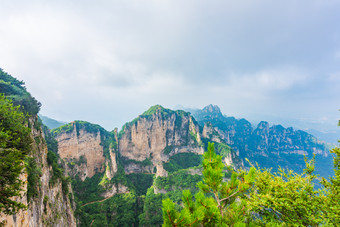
pixel 218 203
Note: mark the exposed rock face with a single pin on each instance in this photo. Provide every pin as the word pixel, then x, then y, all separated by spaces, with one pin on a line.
pixel 269 146
pixel 160 133
pixel 158 136
pixel 50 207
pixel 83 148
pixel 115 189
pixel 111 165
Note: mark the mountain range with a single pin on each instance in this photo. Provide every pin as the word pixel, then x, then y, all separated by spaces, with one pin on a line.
pixel 88 176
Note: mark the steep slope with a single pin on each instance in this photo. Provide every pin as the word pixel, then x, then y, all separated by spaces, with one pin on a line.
pixel 160 133
pixel 91 157
pixel 170 145
pixel 47 192
pixel 270 146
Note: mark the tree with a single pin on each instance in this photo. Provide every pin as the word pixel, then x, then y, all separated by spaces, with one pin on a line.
pixel 287 198
pixel 332 201
pixel 15 142
pixel 258 198
pixel 218 202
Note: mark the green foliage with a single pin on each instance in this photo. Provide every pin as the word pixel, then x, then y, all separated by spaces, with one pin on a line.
pixel 167 149
pixel 258 197
pixel 33 177
pixel 15 90
pixel 119 210
pixel 116 211
pixel 217 203
pixel 51 142
pixel 88 127
pixel 68 128
pixel 152 110
pixel 182 161
pixel 15 143
pixel 287 197
pixel 58 172
pixel 140 182
pixel 178 180
pixel 223 149
pixel 332 186
pixel 145 162
pixel 152 211
pixel 88 190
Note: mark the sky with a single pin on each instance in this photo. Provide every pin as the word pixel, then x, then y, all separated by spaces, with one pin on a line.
pixel 108 61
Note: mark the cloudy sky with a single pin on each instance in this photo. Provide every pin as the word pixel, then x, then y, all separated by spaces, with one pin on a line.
pixel 107 61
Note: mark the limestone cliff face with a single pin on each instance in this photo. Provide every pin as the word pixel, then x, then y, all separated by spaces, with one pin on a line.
pixel 83 150
pixel 51 206
pixel 158 135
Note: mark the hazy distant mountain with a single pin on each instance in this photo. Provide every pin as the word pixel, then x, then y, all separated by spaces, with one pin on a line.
pixel 51 123
pixel 327 136
pixel 270 146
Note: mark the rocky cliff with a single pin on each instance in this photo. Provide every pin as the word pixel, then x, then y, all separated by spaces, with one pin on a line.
pixel 270 146
pixel 49 199
pixel 108 167
pixel 160 133
pixel 46 190
pixel 82 149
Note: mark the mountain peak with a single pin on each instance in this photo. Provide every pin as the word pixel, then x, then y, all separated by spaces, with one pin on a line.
pixel 212 109
pixel 153 109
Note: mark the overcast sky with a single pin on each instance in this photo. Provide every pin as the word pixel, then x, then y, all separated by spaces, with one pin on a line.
pixel 108 61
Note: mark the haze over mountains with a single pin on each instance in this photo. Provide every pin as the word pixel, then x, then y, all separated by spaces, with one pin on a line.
pixel 84 175
pixel 270 146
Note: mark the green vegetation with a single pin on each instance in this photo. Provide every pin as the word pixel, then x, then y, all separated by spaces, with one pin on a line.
pixel 223 149
pixel 167 149
pixel 153 109
pixel 182 161
pixel 119 210
pixel 57 171
pixel 68 128
pixel 15 143
pixel 257 198
pixel 152 210
pixel 140 182
pixel 51 142
pixel 145 162
pixel 88 190
pixel 15 90
pixel 33 177
pixel 178 180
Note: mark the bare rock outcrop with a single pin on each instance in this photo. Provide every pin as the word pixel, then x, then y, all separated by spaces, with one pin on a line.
pixel 83 150
pixel 158 134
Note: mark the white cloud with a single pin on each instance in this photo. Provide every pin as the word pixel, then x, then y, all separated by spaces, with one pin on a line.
pixel 133 54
